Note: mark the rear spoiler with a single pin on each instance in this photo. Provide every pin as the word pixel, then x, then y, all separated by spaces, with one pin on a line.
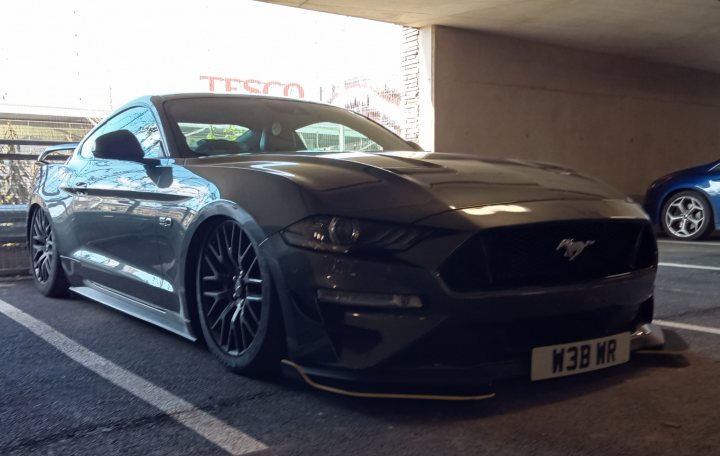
pixel 42 158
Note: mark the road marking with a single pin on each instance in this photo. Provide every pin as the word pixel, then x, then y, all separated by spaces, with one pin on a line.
pixel 704 329
pixel 695 243
pixel 690 266
pixel 213 429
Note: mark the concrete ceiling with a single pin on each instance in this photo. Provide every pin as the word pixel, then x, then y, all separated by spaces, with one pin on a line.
pixel 680 32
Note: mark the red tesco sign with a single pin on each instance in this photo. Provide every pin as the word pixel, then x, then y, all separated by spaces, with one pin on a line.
pixel 254 86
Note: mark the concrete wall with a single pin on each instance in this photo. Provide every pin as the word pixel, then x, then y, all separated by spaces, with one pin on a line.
pixel 622 120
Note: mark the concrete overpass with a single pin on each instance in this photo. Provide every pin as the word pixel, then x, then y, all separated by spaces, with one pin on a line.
pixel 624 89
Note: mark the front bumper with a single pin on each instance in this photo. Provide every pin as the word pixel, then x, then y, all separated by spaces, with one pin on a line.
pixel 460 338
pixel 438 383
pixel 481 335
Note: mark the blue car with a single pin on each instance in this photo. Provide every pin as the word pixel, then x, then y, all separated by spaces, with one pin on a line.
pixel 686 204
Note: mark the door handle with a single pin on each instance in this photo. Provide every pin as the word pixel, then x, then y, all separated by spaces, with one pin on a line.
pixel 81 188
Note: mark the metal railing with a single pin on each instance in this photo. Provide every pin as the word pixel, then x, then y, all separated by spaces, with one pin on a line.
pixel 22 138
pixel 14 257
pixel 17 168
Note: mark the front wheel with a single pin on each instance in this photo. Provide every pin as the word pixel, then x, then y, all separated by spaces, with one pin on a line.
pixel 48 274
pixel 240 321
pixel 687 216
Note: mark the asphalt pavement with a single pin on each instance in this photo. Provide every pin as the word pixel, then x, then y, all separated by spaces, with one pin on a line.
pixel 77 378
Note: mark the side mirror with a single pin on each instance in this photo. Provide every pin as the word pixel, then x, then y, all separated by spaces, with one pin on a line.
pixel 118 145
pixel 415 146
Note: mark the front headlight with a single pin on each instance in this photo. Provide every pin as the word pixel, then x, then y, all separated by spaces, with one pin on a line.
pixel 340 234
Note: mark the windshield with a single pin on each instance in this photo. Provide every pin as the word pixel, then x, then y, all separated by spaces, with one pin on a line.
pixel 236 125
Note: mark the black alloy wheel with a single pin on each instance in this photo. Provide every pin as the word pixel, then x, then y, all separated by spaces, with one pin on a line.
pixel 48 274
pixel 239 320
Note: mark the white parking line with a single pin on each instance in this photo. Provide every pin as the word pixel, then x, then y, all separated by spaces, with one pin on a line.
pixel 704 329
pixel 690 266
pixel 216 431
pixel 694 243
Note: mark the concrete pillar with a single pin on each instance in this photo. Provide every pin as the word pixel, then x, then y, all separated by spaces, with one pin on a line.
pixel 622 120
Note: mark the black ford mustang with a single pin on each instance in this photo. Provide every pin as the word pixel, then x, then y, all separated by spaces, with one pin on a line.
pixel 294 233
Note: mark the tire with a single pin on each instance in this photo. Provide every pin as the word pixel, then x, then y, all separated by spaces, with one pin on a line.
pixel 239 317
pixel 47 271
pixel 687 216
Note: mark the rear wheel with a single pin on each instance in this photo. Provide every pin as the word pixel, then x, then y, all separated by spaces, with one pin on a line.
pixel 687 216
pixel 47 271
pixel 240 321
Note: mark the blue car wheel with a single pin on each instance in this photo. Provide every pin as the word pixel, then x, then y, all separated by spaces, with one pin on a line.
pixel 687 216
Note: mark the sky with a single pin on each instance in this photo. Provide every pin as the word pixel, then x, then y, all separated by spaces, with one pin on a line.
pixel 95 55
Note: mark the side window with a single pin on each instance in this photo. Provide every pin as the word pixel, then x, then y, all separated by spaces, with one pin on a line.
pixel 87 147
pixel 328 136
pixel 140 122
pixel 197 134
pixel 147 132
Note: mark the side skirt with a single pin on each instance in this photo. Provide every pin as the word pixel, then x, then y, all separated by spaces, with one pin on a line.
pixel 146 312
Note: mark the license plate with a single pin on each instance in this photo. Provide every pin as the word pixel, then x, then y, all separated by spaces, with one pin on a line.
pixel 577 357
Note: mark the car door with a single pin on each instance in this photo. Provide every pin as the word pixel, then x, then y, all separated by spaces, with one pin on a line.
pixel 116 217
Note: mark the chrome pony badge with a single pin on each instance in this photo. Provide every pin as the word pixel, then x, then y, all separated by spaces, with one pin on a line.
pixel 573 248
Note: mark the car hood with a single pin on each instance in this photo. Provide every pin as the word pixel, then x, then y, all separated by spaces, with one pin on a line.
pixel 409 186
pixel 693 171
pixel 401 187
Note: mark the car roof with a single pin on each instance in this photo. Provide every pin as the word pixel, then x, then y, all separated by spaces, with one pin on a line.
pixel 158 99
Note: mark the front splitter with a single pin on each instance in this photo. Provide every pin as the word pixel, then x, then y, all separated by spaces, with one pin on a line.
pixel 386 389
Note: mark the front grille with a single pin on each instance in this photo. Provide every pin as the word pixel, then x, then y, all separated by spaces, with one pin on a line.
pixel 532 254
